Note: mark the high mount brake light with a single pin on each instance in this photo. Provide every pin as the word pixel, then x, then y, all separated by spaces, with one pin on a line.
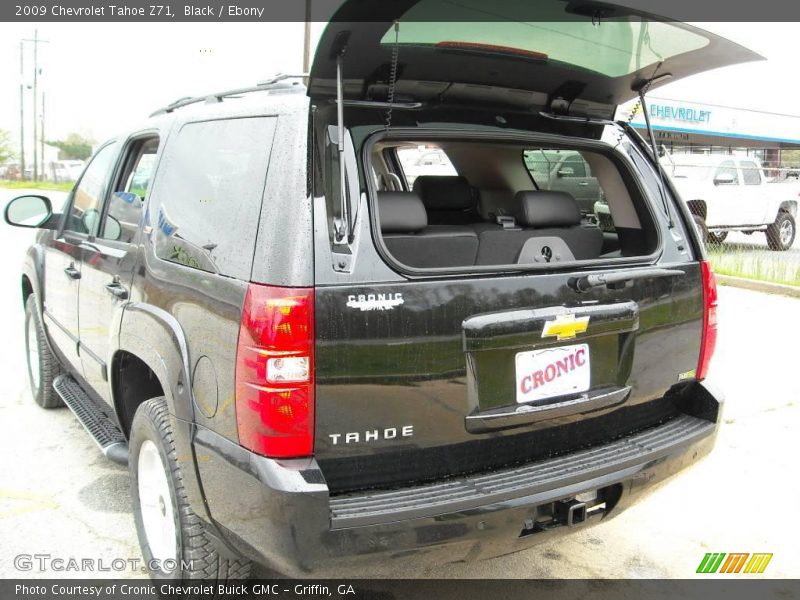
pixel 709 339
pixel 490 49
pixel 275 372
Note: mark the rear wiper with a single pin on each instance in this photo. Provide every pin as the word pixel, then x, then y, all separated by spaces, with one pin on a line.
pixel 613 279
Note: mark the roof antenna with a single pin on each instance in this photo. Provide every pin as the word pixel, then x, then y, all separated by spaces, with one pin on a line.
pixel 393 74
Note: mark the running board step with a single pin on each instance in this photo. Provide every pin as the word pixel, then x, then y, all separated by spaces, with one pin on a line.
pixel 98 422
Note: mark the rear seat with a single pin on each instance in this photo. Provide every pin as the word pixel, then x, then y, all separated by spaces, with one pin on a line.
pixel 409 238
pixel 539 214
pixel 448 199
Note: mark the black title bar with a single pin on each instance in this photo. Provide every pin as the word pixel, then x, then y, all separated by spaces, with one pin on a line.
pixel 54 11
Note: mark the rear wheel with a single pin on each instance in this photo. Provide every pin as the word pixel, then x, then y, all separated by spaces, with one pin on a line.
pixel 173 540
pixel 780 235
pixel 717 238
pixel 701 227
pixel 43 367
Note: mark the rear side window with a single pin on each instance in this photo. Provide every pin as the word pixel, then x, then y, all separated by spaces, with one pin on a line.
pixel 208 191
pixel 750 173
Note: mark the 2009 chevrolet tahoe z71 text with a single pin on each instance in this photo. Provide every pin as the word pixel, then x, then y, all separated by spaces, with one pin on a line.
pixel 310 364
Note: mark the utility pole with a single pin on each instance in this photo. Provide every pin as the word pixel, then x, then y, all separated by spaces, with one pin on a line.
pixel 21 112
pixel 307 39
pixel 44 165
pixel 36 41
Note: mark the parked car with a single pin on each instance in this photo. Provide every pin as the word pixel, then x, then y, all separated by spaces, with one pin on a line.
pixel 731 193
pixel 415 161
pixel 65 170
pixel 565 171
pixel 307 371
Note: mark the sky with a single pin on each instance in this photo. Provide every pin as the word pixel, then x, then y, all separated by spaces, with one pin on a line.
pixel 101 78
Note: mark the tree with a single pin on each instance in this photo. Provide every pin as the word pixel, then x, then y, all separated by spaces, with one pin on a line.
pixel 74 147
pixel 6 147
pixel 790 158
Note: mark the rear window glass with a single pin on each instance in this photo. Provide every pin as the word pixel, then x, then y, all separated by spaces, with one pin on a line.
pixel 614 49
pixel 208 194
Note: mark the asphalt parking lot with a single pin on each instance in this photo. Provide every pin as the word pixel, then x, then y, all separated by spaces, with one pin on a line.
pixel 59 496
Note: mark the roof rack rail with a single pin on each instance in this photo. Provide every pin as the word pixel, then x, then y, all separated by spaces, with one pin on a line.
pixel 219 96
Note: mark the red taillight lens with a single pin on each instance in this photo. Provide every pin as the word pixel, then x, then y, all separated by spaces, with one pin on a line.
pixel 709 340
pixel 275 372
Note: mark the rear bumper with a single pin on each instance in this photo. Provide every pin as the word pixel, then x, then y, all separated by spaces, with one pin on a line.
pixel 279 513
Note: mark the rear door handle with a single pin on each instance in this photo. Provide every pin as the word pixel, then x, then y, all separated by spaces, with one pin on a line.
pixel 116 290
pixel 583 183
pixel 72 272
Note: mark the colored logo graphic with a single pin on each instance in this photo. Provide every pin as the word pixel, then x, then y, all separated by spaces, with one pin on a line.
pixel 565 327
pixel 741 562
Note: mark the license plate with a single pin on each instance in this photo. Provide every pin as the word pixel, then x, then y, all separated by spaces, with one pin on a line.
pixel 552 372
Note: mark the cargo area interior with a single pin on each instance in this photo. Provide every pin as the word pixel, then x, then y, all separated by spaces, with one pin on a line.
pixel 453 203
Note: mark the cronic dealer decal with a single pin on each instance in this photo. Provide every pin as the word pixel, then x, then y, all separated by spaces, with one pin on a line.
pixel 365 302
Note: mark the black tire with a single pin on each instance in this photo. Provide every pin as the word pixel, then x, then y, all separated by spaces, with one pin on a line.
pixel 701 227
pixel 781 234
pixel 717 238
pixel 197 555
pixel 48 367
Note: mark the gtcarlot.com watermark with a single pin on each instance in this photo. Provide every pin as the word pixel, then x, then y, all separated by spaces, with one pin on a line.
pixel 60 564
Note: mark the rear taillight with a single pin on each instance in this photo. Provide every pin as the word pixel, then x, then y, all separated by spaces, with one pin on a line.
pixel 709 340
pixel 275 372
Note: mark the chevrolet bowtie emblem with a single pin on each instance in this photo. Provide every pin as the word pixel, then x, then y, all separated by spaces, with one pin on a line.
pixel 565 327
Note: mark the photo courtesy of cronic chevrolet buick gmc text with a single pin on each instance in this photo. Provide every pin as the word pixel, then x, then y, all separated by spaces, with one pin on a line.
pixel 310 364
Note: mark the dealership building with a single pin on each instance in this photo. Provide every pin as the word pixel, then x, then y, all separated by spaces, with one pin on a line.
pixel 709 128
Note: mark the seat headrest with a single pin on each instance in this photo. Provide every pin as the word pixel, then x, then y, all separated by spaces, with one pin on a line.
pixel 444 192
pixel 401 212
pixel 544 208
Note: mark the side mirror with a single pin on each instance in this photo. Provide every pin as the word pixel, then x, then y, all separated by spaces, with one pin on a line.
pixel 566 172
pixel 113 229
pixel 91 220
pixel 724 179
pixel 28 211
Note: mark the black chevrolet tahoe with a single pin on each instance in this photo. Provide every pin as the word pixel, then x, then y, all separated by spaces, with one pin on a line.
pixel 311 358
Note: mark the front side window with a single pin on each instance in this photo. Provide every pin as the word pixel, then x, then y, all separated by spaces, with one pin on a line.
pixel 208 191
pixel 545 165
pixel 574 166
pixel 727 172
pixel 84 215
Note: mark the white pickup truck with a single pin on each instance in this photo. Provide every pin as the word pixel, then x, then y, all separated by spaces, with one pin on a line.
pixel 731 193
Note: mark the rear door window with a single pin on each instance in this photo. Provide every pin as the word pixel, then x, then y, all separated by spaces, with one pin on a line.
pixel 750 172
pixel 126 203
pixel 208 191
